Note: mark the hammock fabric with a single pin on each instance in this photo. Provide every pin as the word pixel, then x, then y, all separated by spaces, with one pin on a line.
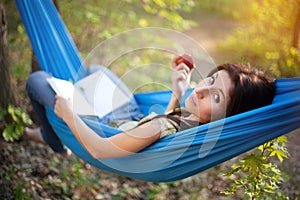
pixel 176 156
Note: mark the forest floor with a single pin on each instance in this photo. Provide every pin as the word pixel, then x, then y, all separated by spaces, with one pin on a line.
pixel 33 171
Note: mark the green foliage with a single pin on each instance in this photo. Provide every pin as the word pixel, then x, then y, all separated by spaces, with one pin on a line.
pixel 256 176
pixel 264 37
pixel 93 21
pixel 14 119
pixel 285 63
pixel 20 52
pixel 96 20
pixel 233 8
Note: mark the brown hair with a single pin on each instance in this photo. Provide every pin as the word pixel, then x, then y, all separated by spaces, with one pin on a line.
pixel 253 88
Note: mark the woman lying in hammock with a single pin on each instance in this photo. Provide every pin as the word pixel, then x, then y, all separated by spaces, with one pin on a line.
pixel 228 90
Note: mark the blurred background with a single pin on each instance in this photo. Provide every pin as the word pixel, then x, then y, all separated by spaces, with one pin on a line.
pixel 264 33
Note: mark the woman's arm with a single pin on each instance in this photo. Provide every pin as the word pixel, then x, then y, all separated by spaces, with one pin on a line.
pixel 119 145
pixel 181 76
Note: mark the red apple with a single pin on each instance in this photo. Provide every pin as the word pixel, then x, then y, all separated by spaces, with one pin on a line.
pixel 186 59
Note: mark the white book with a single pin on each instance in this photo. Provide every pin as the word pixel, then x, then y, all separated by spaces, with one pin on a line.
pixel 95 94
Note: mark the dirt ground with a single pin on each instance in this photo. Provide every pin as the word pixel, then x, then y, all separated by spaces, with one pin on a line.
pixel 292 166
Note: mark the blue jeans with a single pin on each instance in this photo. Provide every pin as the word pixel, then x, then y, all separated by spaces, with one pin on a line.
pixel 41 95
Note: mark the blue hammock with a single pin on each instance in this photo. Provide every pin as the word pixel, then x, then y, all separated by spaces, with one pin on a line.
pixel 176 156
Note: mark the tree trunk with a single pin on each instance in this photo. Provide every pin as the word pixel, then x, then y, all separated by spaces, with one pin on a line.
pixel 56 5
pixel 34 63
pixel 295 41
pixel 8 89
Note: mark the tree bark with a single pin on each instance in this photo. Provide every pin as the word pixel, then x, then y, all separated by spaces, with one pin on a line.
pixel 55 2
pixel 34 63
pixel 8 89
pixel 296 32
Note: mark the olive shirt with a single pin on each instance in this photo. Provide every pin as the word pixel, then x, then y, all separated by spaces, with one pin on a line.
pixel 171 122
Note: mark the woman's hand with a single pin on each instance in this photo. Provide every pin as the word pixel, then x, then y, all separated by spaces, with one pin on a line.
pixel 63 108
pixel 181 77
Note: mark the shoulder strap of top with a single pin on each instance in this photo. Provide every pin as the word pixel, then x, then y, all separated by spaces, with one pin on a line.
pixel 182 124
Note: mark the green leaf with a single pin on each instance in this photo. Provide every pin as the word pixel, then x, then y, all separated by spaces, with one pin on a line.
pixel 229 191
pixel 8 133
pixel 280 154
pixel 11 110
pixel 18 115
pixel 26 119
pixel 234 170
pixel 261 148
pixel 280 142
pixel 18 131
pixel 253 163
pixel 18 111
pixel 21 29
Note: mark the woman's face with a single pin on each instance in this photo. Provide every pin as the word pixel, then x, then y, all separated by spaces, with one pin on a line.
pixel 210 98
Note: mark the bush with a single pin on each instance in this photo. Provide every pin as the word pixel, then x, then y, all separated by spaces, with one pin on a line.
pixel 13 119
pixel 255 176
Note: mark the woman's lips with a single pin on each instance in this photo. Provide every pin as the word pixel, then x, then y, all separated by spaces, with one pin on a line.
pixel 193 100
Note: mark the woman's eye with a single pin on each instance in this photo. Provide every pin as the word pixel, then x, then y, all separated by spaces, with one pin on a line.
pixel 217 98
pixel 211 80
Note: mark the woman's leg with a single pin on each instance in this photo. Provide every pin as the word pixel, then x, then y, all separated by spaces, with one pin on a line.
pixel 41 95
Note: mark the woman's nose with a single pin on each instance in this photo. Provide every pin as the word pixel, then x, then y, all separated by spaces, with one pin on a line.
pixel 202 91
